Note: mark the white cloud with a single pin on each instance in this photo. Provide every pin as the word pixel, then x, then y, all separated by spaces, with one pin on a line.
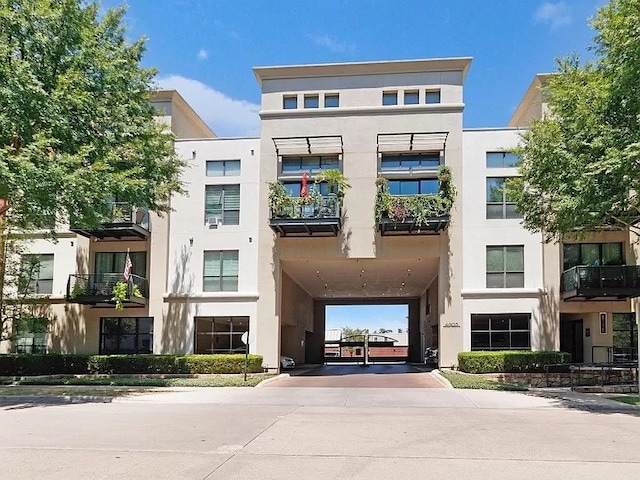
pixel 331 43
pixel 203 54
pixel 555 14
pixel 226 116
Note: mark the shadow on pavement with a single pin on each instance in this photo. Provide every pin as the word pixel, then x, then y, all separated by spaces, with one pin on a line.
pixel 335 370
pixel 586 402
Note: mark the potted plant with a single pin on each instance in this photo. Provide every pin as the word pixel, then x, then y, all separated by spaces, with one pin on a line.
pixel 336 180
pixel 280 202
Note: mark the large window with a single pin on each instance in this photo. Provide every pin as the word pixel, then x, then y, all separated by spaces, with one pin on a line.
pixel 31 335
pixel 223 168
pixel 294 188
pixel 220 271
pixel 126 335
pixel 505 331
pixel 407 161
pixel 499 201
pixel 223 201
pixel 625 337
pixel 309 164
pixel 505 266
pixel 220 334
pixel 36 273
pixel 113 262
pixel 502 160
pixel 592 254
pixel 428 186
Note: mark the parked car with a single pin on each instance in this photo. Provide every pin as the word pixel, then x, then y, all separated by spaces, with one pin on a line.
pixel 287 362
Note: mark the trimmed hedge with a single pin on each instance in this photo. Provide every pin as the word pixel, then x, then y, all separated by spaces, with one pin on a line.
pixel 509 361
pixel 61 364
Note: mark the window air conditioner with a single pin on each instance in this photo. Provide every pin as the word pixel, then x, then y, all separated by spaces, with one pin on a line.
pixel 214 221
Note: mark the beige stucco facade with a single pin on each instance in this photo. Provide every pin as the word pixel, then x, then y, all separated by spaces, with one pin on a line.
pixel 284 282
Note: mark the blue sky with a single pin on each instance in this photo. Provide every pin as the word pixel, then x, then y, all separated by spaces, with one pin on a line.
pixel 373 317
pixel 206 48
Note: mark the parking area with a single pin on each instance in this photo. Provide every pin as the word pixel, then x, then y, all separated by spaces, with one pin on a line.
pixel 360 376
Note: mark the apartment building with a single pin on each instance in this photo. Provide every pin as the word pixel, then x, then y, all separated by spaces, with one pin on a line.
pixel 265 239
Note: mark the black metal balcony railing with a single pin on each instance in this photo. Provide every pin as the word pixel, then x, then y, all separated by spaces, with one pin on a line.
pixel 415 214
pixel 125 221
pixel 98 288
pixel 308 216
pixel 592 282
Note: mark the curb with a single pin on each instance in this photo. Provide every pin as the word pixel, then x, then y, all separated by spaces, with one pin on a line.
pixel 266 382
pixel 53 399
pixel 441 379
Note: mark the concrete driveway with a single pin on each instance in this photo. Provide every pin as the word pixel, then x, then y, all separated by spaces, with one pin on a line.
pixel 360 376
pixel 318 433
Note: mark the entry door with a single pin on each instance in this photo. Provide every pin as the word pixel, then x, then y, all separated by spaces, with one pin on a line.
pixel 571 339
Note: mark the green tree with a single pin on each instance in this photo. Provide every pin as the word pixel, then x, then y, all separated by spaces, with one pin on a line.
pixel 581 163
pixel 76 124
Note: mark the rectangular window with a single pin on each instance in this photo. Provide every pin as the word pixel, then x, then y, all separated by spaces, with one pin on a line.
pixel 432 96
pixel 389 98
pixel 36 274
pixel 592 254
pixel 505 266
pixel 223 168
pixel 507 331
pixel 290 102
pixel 309 164
pixel 126 335
pixel 311 101
pixel 331 100
pixel 31 335
pixel 220 334
pixel 223 202
pixel 499 201
pixel 411 97
pixel 113 263
pixel 625 337
pixel 220 271
pixel 502 160
pixel 408 161
pixel 428 186
pixel 294 188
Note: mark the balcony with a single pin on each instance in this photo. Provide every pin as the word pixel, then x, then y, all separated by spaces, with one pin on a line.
pixel 412 226
pixel 307 216
pixel 610 282
pixel 98 289
pixel 126 221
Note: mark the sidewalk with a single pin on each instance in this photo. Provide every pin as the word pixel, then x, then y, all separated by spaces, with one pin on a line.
pixel 585 401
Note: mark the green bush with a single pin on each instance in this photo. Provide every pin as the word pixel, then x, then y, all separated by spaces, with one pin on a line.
pixel 509 361
pixel 41 364
pixel 58 364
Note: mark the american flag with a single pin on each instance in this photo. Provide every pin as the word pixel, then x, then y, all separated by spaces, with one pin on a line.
pixel 127 268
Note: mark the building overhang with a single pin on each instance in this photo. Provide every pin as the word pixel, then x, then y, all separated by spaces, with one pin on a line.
pixel 412 142
pixel 309 145
pixel 453 64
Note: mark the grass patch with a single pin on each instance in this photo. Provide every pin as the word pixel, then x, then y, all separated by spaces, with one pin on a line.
pixel 124 381
pixel 67 391
pixel 628 399
pixel 477 382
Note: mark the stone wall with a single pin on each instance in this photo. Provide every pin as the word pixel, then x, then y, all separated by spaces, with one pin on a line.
pixel 593 376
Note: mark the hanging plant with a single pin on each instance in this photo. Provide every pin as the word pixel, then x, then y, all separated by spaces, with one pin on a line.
pixel 120 294
pixel 419 208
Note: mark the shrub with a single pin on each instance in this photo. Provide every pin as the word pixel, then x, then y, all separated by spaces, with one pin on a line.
pixel 41 364
pixel 60 364
pixel 509 361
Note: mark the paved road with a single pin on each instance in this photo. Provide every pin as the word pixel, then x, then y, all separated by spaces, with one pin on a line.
pixel 359 376
pixel 318 433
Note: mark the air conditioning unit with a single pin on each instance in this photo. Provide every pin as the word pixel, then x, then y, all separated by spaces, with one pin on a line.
pixel 213 221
